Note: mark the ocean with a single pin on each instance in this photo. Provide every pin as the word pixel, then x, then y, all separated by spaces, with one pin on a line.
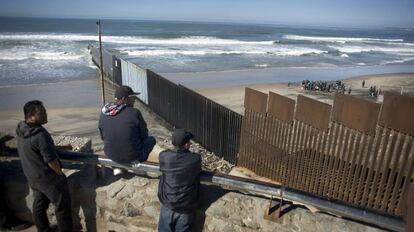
pixel 34 50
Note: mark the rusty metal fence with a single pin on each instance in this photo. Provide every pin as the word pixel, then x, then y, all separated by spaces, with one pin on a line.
pixel 356 151
pixel 215 127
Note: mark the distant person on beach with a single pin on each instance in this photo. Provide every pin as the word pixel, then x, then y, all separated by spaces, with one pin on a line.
pixel 363 83
pixel 42 168
pixel 124 130
pixel 349 90
pixel 178 190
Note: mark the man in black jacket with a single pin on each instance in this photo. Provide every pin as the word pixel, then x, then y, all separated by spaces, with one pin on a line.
pixel 178 190
pixel 124 130
pixel 42 168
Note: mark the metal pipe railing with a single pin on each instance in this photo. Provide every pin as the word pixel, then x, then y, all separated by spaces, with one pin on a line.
pixel 253 186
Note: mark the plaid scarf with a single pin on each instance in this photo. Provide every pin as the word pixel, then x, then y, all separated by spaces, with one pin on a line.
pixel 113 108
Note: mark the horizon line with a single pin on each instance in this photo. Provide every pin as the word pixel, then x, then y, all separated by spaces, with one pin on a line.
pixel 214 22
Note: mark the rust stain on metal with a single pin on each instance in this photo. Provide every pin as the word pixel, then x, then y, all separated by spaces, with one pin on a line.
pixel 255 100
pixel 355 113
pixel 397 112
pixel 281 107
pixel 313 112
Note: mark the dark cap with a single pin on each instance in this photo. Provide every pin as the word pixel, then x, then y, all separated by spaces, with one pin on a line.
pixel 124 91
pixel 180 137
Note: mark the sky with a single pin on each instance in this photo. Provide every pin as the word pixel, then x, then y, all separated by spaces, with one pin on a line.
pixel 345 13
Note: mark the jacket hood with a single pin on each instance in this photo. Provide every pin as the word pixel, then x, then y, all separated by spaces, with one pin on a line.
pixel 113 108
pixel 25 130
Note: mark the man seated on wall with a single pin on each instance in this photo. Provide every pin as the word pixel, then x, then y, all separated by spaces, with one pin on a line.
pixel 124 130
pixel 178 190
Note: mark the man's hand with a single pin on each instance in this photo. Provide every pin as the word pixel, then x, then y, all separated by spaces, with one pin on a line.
pixel 55 166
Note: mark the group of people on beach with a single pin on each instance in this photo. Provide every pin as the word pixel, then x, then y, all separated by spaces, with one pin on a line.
pixel 126 140
pixel 374 91
pixel 324 86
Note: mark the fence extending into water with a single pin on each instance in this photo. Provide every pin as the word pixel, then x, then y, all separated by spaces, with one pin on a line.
pixel 357 152
pixel 215 127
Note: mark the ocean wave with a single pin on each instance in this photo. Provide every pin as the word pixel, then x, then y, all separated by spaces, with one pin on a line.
pixel 264 51
pixel 360 49
pixel 40 56
pixel 400 61
pixel 338 39
pixel 187 40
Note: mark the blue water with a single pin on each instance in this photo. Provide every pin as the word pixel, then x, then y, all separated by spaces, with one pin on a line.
pixel 50 50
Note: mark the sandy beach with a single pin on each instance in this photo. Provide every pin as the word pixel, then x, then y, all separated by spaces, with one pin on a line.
pixel 233 97
pixel 74 106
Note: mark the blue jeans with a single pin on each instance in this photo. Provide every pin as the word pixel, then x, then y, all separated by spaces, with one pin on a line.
pixel 171 221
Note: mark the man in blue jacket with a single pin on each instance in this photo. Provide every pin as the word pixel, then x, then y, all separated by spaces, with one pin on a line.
pixel 178 190
pixel 124 130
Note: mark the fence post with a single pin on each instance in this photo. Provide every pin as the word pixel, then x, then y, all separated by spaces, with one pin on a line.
pixel 98 24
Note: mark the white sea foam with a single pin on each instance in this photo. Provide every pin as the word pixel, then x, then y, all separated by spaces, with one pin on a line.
pixel 292 51
pixel 191 40
pixel 400 61
pixel 367 48
pixel 338 39
pixel 261 65
pixel 191 52
pixel 6 55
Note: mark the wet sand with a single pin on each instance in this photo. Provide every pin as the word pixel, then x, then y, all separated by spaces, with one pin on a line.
pixel 219 79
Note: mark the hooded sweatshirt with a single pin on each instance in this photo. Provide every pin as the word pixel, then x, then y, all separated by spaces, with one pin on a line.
pixel 123 131
pixel 36 148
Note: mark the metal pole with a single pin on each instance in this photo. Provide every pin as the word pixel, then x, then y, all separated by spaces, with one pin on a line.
pixel 98 24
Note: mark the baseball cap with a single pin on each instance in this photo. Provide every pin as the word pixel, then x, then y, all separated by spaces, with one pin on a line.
pixel 180 137
pixel 124 91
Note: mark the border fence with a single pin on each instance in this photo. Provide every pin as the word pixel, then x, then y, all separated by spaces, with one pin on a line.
pixel 214 126
pixel 357 151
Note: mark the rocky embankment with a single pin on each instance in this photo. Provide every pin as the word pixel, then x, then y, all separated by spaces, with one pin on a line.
pixel 103 202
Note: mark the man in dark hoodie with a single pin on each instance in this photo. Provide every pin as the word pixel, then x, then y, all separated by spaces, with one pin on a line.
pixel 42 168
pixel 178 190
pixel 124 130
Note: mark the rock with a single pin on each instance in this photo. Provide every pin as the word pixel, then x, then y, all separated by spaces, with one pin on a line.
pixel 79 144
pixel 115 188
pixel 153 211
pixel 138 201
pixel 219 225
pixel 250 223
pixel 126 192
pixel 129 210
pixel 140 182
